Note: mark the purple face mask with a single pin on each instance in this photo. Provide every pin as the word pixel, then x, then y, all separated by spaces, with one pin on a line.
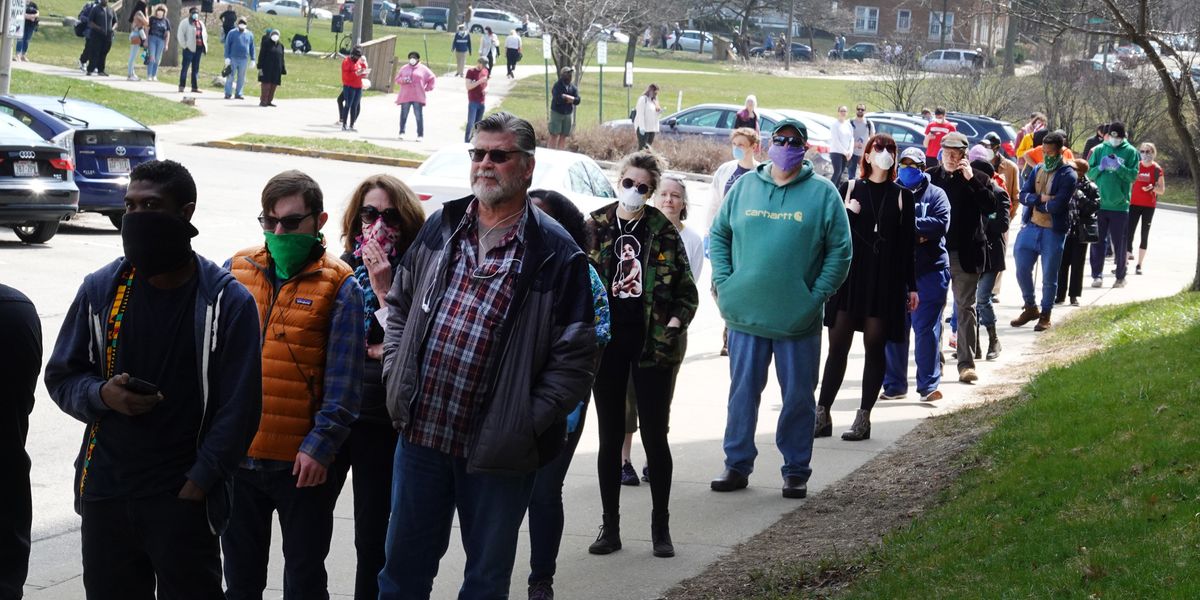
pixel 786 158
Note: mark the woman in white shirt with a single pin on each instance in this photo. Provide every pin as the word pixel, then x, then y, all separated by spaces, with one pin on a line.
pixel 512 51
pixel 488 47
pixel 645 116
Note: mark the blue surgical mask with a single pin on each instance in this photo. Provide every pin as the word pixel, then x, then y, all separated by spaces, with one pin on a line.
pixel 909 177
pixel 738 153
pixel 786 158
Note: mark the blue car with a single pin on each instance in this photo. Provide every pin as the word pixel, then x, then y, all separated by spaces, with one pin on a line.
pixel 106 145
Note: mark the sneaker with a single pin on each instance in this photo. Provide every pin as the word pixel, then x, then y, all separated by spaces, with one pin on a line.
pixel 228 97
pixel 1097 282
pixel 1074 301
pixel 629 475
pixel 1138 270
pixel 82 66
pixel 351 129
pixel 102 73
pixel 197 91
pixel 967 375
pixel 1120 283
pixel 236 97
pixel 893 396
pixel 133 78
pixel 646 473
pixel 181 89
pixel 344 128
pixel 420 138
pixel 541 590
pixel 933 396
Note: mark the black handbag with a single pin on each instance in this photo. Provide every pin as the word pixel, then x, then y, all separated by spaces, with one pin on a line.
pixel 226 71
pixel 1089 233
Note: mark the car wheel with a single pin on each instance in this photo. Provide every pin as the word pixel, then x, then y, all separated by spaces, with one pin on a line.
pixel 270 12
pixel 439 27
pixel 37 233
pixel 476 29
pixel 116 219
pixel 405 24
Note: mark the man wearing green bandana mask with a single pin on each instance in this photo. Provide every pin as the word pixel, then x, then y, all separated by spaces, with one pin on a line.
pixel 1046 196
pixel 310 308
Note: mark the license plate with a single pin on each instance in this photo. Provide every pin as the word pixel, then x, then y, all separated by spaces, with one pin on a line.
pixel 25 168
pixel 118 165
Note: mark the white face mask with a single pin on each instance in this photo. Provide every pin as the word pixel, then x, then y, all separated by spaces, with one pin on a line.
pixel 883 160
pixel 274 37
pixel 241 27
pixel 1115 141
pixel 412 61
pixel 630 199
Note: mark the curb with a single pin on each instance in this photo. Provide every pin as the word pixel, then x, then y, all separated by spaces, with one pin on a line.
pixel 1177 207
pixel 343 156
pixel 612 166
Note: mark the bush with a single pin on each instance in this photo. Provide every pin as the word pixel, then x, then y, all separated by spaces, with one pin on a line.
pixel 688 153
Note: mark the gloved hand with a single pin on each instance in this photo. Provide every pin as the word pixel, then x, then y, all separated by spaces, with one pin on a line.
pixel 1110 163
pixel 228 62
pixel 251 64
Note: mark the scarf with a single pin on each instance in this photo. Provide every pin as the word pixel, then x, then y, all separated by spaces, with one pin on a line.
pixel 383 234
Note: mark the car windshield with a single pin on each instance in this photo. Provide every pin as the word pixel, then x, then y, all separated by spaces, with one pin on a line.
pixel 11 129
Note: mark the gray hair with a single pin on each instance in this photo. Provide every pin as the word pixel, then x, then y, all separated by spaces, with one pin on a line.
pixel 683 214
pixel 505 122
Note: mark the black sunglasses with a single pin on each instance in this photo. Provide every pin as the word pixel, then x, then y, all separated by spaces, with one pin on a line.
pixel 290 222
pixel 641 188
pixel 788 140
pixel 497 156
pixel 370 214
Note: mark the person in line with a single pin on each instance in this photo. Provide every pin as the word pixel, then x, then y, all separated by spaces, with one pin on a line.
pixel 1095 140
pixel 995 227
pixel 645 116
pixel 489 46
pixel 193 38
pixel 1025 141
pixel 546 517
pixel 652 295
pixel 1114 169
pixel 748 116
pixel 354 69
pixel 488 348
pixel 160 38
pixel 380 223
pixel 1046 195
pixel 971 197
pixel 160 356
pixel 672 201
pixel 563 100
pixel 99 36
pixel 512 52
pixel 1084 205
pixel 461 47
pixel 137 41
pixel 1149 185
pixel 20 363
pixel 931 215
pixel 415 81
pixel 863 131
pixel 934 132
pixel 239 55
pixel 880 288
pixel 271 67
pixel 745 142
pixel 476 81
pixel 841 145
pixel 32 18
pixel 311 310
pixel 780 214
pixel 1006 171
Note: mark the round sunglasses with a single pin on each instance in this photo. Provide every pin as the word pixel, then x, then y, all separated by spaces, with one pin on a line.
pixel 370 214
pixel 641 188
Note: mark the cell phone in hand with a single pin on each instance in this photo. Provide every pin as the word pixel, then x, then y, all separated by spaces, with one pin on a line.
pixel 141 386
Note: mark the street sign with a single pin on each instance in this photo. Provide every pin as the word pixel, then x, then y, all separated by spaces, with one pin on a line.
pixel 16 18
pixel 602 52
pixel 629 74
pixel 1097 20
pixel 546 49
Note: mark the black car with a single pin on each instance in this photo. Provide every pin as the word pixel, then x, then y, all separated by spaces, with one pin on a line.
pixel 859 52
pixel 37 187
pixel 434 17
pixel 799 52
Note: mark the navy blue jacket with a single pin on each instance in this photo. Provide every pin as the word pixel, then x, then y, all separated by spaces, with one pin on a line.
pixel 229 355
pixel 932 211
pixel 461 42
pixel 1062 185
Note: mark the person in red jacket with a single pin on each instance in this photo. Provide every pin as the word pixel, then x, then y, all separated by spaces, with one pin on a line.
pixel 354 68
pixel 1146 189
pixel 934 132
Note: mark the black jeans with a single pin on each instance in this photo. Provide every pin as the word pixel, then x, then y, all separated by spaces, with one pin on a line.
pixel 511 57
pixel 1070 270
pixel 16 519
pixel 546 509
pixel 370 451
pixel 133 547
pixel 645 139
pixel 306 521
pixel 653 387
pixel 96 49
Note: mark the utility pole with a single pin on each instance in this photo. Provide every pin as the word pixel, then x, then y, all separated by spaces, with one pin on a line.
pixel 6 46
pixel 787 49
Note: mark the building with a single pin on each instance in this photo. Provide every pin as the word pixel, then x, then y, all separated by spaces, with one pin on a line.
pixel 920 23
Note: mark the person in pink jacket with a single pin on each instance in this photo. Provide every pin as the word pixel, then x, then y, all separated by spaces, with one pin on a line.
pixel 415 80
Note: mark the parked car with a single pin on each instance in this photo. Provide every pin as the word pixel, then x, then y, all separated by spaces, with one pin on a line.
pixel 972 126
pixel 292 8
pixel 404 18
pixel 799 51
pixel 502 23
pixel 607 34
pixel 689 40
pixel 445 176
pixel 105 145
pixel 907 133
pixel 37 191
pixel 434 17
pixel 860 52
pixel 951 61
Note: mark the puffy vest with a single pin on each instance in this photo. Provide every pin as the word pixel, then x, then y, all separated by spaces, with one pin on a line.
pixel 295 321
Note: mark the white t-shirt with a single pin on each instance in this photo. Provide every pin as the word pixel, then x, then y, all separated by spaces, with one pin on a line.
pixel 842 140
pixel 694 245
pixel 513 41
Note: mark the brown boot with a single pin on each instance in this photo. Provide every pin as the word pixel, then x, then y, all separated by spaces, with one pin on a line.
pixel 1029 314
pixel 1043 322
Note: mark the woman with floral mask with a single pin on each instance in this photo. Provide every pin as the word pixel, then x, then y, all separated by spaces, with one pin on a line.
pixel 382 219
pixel 649 317
pixel 880 287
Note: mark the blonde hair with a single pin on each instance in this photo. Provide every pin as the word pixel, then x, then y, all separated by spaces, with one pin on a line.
pixel 1149 147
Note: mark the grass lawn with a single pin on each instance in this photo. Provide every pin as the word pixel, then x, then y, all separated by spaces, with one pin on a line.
pixel 1179 191
pixel 329 145
pixel 1087 488
pixel 147 109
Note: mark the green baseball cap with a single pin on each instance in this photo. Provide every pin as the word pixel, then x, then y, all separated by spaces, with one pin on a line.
pixel 796 124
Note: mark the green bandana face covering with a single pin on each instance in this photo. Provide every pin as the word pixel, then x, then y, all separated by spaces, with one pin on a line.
pixel 1052 163
pixel 290 251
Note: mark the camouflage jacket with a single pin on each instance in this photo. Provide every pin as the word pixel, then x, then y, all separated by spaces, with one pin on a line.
pixel 667 280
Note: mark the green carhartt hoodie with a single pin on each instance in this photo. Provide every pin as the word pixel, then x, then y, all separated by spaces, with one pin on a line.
pixel 1115 185
pixel 778 253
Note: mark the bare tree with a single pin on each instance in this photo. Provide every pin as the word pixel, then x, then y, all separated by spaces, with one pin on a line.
pixel 570 25
pixel 981 93
pixel 897 85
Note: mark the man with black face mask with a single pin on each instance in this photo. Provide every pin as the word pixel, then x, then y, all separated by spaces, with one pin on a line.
pixel 160 355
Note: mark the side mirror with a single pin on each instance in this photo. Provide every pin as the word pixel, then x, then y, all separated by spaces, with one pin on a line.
pixel 671 123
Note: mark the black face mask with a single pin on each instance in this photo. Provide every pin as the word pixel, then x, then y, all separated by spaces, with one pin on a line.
pixel 156 242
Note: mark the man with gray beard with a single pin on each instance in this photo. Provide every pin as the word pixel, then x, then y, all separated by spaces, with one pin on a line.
pixel 488 348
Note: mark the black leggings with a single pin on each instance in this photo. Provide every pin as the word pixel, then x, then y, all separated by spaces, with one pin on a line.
pixel 653 387
pixel 841 336
pixel 1146 214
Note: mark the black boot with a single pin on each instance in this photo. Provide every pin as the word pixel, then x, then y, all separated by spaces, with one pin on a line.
pixel 609 540
pixel 660 534
pixel 824 427
pixel 993 343
pixel 861 429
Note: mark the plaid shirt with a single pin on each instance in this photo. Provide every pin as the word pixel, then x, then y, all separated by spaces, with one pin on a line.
pixel 462 339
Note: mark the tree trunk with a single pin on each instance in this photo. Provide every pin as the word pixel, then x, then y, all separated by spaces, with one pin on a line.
pixel 174 14
pixel 452 20
pixel 1010 44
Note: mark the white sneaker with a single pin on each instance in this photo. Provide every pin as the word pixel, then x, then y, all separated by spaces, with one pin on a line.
pixel 1120 283
pixel 420 138
pixel 1097 282
pixel 132 78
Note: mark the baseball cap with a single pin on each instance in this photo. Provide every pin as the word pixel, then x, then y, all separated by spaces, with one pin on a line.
pixel 914 154
pixel 955 139
pixel 992 140
pixel 796 124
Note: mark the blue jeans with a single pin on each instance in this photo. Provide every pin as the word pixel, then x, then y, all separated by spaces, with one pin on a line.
pixel 351 104
pixel 1032 242
pixel 797 362
pixel 417 108
pixel 155 48
pixel 427 487
pixel 1112 224
pixel 190 59
pixel 546 517
pixel 474 115
pixel 926 325
pixel 134 51
pixel 23 43
pixel 239 71
pixel 983 298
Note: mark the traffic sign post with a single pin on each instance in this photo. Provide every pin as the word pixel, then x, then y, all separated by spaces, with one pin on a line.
pixel 546 56
pixel 601 60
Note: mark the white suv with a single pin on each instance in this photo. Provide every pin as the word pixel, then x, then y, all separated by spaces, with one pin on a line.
pixel 951 61
pixel 501 22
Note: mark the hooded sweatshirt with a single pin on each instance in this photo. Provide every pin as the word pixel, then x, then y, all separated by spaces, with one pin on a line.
pixel 1116 186
pixel 932 211
pixel 778 253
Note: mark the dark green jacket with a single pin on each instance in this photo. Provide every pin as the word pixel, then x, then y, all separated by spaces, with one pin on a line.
pixel 669 290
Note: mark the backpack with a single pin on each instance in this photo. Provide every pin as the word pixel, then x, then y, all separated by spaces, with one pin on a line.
pixel 85 15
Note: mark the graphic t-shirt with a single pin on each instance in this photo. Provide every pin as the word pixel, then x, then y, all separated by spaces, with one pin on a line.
pixel 1147 175
pixel 737 174
pixel 625 289
pixel 935 131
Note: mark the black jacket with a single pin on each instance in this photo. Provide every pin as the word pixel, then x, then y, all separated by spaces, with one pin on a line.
pixel 270 61
pixel 969 202
pixel 995 225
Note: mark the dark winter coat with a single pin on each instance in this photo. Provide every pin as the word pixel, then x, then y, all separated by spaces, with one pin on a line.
pixel 270 61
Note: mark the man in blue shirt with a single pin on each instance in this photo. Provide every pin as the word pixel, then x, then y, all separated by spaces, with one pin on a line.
pixel 239 53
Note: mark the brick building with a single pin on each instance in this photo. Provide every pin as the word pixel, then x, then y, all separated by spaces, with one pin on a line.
pixel 918 23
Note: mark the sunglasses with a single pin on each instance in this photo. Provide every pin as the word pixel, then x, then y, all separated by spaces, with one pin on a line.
pixel 642 188
pixel 290 222
pixel 788 140
pixel 370 214
pixel 496 156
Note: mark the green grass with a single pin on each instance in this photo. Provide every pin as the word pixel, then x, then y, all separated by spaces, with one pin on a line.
pixel 328 145
pixel 147 109
pixel 1086 488
pixel 1179 191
